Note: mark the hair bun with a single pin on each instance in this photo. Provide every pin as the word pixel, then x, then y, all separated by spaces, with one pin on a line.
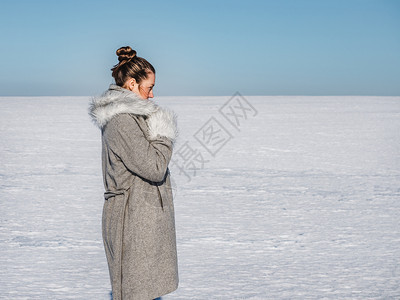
pixel 125 53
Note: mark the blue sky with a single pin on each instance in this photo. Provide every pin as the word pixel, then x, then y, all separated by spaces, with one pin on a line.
pixel 282 47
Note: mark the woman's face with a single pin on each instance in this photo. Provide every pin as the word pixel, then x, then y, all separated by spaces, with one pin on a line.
pixel 145 89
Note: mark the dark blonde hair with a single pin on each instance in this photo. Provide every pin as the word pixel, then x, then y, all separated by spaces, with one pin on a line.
pixel 130 66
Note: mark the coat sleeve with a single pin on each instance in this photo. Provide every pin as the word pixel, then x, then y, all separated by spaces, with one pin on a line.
pixel 146 156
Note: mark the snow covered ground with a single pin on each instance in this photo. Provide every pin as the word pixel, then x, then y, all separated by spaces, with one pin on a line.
pixel 276 198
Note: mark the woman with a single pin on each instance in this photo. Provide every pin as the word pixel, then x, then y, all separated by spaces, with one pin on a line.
pixel 138 214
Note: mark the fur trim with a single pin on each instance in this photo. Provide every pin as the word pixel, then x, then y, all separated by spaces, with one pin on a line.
pixel 117 100
pixel 162 123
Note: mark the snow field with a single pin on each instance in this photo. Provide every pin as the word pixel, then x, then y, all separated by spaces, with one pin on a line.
pixel 301 203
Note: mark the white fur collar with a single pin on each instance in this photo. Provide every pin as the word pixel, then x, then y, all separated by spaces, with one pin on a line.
pixel 117 100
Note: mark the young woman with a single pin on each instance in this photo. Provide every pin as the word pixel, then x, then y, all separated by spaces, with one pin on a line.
pixel 138 214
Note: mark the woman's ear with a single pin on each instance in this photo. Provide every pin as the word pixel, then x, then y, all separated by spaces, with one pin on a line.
pixel 130 84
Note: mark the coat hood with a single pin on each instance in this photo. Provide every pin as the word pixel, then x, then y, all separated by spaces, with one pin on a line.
pixel 117 100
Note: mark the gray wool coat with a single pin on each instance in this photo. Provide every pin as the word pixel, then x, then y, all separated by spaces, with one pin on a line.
pixel 138 215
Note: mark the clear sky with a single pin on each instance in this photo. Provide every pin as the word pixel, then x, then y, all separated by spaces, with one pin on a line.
pixel 281 47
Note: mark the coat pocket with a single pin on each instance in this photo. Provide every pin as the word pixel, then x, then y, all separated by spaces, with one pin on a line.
pixel 112 221
pixel 158 195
